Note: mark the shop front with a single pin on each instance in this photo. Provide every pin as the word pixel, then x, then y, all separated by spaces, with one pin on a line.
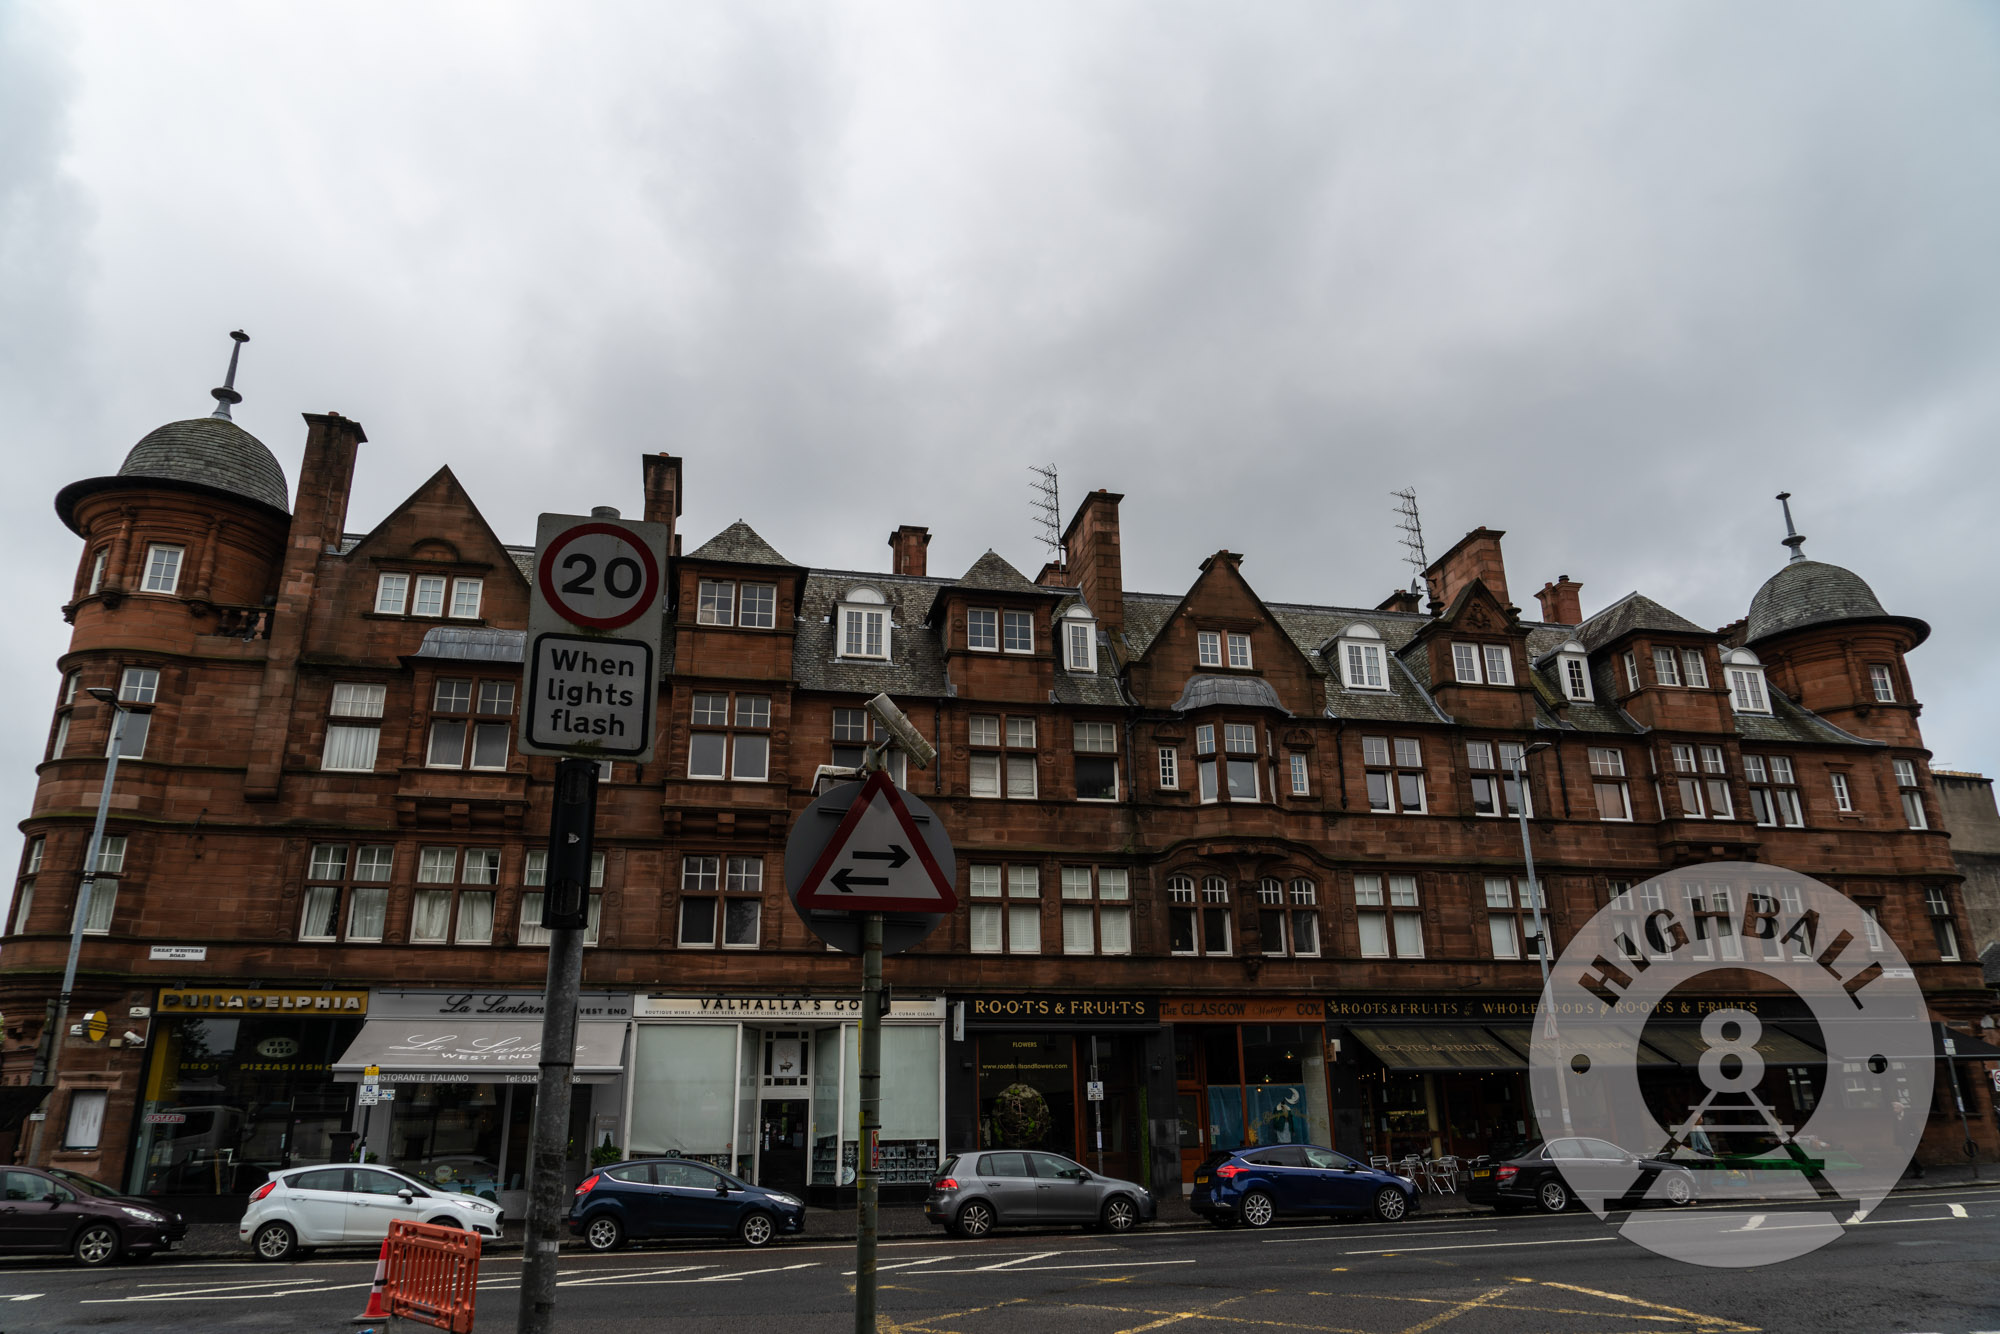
pixel 462 1068
pixel 1247 1071
pixel 1085 1076
pixel 240 1084
pixel 769 1088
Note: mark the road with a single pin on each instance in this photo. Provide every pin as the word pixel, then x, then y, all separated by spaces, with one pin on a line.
pixel 1920 1263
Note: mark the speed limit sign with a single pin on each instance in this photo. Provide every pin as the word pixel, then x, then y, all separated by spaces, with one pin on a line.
pixel 598 574
pixel 594 628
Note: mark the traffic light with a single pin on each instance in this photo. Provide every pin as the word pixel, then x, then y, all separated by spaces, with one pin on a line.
pixel 566 894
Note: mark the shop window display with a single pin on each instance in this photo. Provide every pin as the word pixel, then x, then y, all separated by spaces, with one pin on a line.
pixel 231 1100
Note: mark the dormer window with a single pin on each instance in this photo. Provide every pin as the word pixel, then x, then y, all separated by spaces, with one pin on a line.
pixel 982 630
pixel 1573 671
pixel 1018 631
pixel 1492 664
pixel 864 624
pixel 1746 682
pixel 1361 658
pixel 1079 639
pixel 1208 648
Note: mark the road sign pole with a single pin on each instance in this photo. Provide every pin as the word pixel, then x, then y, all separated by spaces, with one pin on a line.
pixel 546 1150
pixel 869 1187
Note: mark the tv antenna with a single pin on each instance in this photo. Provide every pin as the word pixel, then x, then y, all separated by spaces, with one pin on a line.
pixel 1413 534
pixel 1047 507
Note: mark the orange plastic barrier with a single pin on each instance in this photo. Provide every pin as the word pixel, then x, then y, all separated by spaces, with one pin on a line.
pixel 433 1275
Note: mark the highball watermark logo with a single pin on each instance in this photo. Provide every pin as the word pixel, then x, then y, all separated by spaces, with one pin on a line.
pixel 1648 1112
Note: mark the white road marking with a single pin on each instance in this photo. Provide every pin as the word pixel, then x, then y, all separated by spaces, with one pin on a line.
pixel 1455 1232
pixel 1044 1269
pixel 1480 1246
pixel 755 1273
pixel 1957 1210
pixel 24 1297
pixel 1019 1260
pixel 1756 1221
pixel 899 1264
pixel 615 1275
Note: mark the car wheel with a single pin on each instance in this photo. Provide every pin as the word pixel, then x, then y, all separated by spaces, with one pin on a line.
pixel 1257 1209
pixel 974 1220
pixel 756 1229
pixel 604 1233
pixel 1391 1204
pixel 97 1244
pixel 1680 1189
pixel 275 1241
pixel 446 1220
pixel 1553 1197
pixel 1120 1215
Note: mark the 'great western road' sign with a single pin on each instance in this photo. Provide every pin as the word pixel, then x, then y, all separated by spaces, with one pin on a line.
pixel 594 627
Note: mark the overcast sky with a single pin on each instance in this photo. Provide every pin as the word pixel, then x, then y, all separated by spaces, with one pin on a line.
pixel 1605 276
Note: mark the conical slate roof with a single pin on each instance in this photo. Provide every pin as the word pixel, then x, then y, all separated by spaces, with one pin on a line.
pixel 992 573
pixel 210 451
pixel 1809 592
pixel 739 545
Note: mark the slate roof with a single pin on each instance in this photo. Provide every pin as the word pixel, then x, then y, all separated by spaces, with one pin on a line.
pixel 991 573
pixel 1810 592
pixel 916 659
pixel 1634 611
pixel 739 545
pixel 466 643
pixel 1792 722
pixel 1240 692
pixel 212 452
pixel 1989 962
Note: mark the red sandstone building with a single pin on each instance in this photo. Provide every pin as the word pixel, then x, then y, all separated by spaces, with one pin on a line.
pixel 1256 862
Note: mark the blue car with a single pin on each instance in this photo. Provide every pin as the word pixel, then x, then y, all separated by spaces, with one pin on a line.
pixel 678 1197
pixel 1256 1186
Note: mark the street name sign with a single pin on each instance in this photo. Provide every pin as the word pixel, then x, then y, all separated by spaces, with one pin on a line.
pixel 594 630
pixel 870 847
pixel 877 860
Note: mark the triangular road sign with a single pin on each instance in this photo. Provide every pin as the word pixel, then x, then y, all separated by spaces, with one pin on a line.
pixel 877 861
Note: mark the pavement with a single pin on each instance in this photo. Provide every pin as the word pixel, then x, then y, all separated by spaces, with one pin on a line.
pixel 218 1241
pixel 1922 1261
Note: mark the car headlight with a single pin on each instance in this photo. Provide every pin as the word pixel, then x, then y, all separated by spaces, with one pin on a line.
pixel 143 1215
pixel 786 1199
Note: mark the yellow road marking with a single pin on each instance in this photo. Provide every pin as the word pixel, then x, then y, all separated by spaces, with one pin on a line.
pixel 1714 1322
pixel 1455 1312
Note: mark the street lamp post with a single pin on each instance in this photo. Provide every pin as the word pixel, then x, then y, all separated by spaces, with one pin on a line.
pixel 1518 763
pixel 54 1032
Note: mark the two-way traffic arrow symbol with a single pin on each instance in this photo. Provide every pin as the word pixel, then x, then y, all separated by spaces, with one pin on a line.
pixel 845 880
pixel 895 856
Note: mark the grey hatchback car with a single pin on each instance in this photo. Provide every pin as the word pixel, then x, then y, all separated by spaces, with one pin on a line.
pixel 977 1192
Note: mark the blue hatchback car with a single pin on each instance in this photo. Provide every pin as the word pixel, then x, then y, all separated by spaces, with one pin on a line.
pixel 1255 1186
pixel 677 1197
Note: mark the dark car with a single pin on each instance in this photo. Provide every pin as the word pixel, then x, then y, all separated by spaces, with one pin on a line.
pixel 48 1209
pixel 1256 1186
pixel 973 1193
pixel 677 1197
pixel 1548 1176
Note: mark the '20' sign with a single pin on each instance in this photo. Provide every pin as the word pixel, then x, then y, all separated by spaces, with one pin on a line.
pixel 599 575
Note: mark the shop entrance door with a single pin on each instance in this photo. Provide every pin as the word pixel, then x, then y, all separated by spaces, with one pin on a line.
pixel 781 1147
pixel 1191 1097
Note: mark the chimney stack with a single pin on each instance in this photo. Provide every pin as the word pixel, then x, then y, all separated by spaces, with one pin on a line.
pixel 663 494
pixel 1562 602
pixel 1476 556
pixel 1090 544
pixel 1403 599
pixel 906 549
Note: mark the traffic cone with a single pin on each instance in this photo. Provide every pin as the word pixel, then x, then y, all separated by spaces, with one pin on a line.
pixel 376 1311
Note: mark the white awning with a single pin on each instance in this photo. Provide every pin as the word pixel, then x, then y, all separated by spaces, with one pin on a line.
pixel 474 1051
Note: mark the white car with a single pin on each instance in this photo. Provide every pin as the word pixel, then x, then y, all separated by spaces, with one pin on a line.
pixel 338 1205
